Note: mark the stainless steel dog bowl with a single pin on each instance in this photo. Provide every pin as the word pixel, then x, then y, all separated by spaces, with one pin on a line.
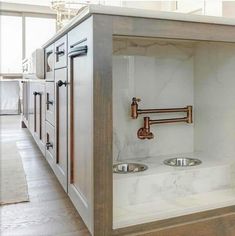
pixel 182 162
pixel 125 168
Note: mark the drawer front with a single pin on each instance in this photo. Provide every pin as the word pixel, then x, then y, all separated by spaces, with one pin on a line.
pixel 50 102
pixel 49 63
pixel 50 144
pixel 61 52
pixel 78 37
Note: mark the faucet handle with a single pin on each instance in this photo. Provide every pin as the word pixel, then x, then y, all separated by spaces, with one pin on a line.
pixel 134 99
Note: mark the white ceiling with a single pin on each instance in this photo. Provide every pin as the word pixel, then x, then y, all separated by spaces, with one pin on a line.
pixel 31 2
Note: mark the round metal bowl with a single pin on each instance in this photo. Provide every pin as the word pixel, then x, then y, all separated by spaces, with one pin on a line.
pixel 126 168
pixel 182 162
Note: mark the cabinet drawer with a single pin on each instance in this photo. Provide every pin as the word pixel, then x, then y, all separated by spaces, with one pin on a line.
pixel 50 102
pixel 79 36
pixel 49 63
pixel 50 144
pixel 61 52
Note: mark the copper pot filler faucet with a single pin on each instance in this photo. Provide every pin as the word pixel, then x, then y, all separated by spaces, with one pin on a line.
pixel 144 132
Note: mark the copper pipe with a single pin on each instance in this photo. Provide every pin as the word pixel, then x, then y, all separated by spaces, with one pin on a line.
pixel 167 121
pixel 135 111
pixel 166 110
pixel 144 132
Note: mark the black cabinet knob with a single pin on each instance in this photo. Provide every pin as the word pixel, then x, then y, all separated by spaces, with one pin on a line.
pixel 60 83
pixel 36 93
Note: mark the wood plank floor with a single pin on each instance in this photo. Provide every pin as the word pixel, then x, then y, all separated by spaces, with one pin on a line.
pixel 50 211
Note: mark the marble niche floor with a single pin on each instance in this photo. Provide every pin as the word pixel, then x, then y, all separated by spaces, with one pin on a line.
pixel 163 192
pixel 49 211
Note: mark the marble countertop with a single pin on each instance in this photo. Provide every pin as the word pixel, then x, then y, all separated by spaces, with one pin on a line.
pixel 131 12
pixel 156 166
pixel 163 192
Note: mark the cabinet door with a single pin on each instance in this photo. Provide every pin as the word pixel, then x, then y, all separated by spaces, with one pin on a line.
pixel 31 106
pixel 42 131
pixel 50 144
pixel 39 115
pixel 49 63
pixel 61 164
pixel 80 89
pixel 50 102
pixel 25 100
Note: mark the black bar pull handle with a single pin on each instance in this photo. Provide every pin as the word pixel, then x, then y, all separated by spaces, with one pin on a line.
pixel 60 52
pixel 36 93
pixel 78 51
pixel 49 102
pixel 49 145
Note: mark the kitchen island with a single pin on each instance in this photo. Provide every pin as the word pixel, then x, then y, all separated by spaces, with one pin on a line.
pixel 78 118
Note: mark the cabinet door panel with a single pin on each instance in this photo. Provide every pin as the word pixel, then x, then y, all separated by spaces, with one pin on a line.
pixel 31 106
pixel 61 126
pixel 50 144
pixel 80 89
pixel 39 116
pixel 49 63
pixel 61 52
pixel 25 100
pixel 50 103
pixel 42 114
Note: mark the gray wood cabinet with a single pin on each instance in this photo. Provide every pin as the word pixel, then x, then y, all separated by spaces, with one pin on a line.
pixel 56 110
pixel 61 104
pixel 80 186
pixel 34 110
pixel 39 116
pixel 79 123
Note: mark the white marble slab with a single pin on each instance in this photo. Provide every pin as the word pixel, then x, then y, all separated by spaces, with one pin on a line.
pixel 163 192
pixel 164 182
pixel 159 210
pixel 214 99
pixel 157 72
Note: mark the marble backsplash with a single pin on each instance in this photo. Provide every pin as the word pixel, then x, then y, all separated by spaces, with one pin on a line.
pixel 214 99
pixel 167 74
pixel 159 82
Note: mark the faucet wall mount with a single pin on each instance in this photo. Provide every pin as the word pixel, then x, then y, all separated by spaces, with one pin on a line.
pixel 144 132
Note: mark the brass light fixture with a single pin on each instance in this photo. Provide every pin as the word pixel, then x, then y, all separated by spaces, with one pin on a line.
pixel 144 132
pixel 66 10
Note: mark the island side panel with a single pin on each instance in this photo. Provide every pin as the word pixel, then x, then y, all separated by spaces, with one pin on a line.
pixel 103 137
pixel 172 29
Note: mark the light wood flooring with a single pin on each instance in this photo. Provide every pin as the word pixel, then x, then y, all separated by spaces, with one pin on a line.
pixel 50 211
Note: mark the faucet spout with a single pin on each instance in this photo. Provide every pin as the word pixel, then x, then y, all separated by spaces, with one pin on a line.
pixel 144 132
